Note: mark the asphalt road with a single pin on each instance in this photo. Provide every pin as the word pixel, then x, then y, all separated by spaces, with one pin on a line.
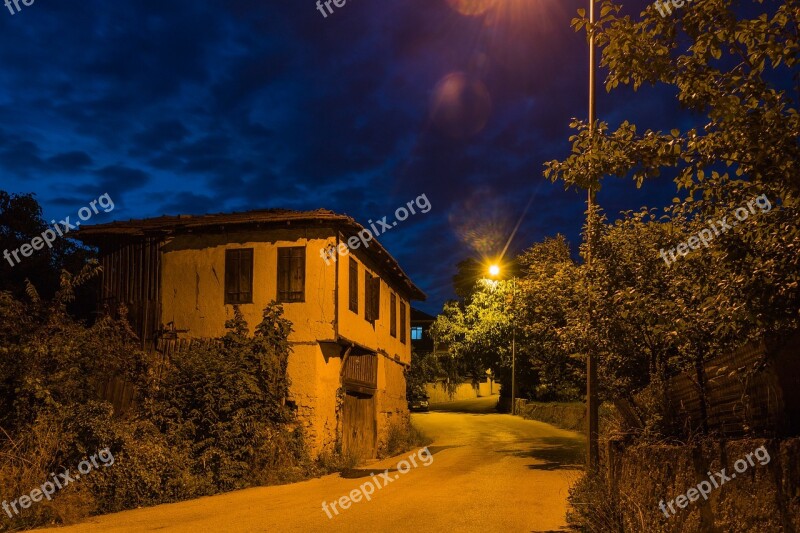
pixel 487 472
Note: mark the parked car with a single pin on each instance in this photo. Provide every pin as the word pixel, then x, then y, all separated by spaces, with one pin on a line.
pixel 418 403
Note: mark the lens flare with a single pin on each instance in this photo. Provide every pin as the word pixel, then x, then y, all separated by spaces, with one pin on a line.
pixel 472 7
pixel 460 106
pixel 482 220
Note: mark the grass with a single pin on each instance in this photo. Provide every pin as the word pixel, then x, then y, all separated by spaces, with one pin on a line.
pixel 401 439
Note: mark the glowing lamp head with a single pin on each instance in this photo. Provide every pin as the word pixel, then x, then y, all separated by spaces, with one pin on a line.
pixel 494 271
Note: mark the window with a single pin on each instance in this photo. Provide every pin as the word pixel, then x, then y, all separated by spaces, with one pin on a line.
pixel 292 274
pixel 403 323
pixel 393 315
pixel 372 297
pixel 416 333
pixel 239 276
pixel 353 285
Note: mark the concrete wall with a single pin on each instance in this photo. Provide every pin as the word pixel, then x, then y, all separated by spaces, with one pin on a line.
pixel 566 415
pixel 761 498
pixel 438 394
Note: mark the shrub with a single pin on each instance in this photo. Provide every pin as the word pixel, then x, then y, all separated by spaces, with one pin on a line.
pixel 218 421
pixel 402 438
pixel 594 508
pixel 226 402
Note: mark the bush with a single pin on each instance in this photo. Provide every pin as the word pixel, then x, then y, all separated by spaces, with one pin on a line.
pixel 402 438
pixel 218 421
pixel 226 402
pixel 594 508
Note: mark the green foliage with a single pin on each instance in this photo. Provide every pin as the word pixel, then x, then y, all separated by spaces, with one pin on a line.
pixel 223 400
pixel 551 314
pixel 475 330
pixel 425 368
pixel 20 221
pixel 538 307
pixel 217 421
pixel 402 438
pixel 647 320
pixel 594 508
pixel 469 272
pixel 51 360
pixel 721 65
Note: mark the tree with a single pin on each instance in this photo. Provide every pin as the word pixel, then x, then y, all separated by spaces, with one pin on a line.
pixel 548 308
pixel 424 369
pixel 735 71
pixel 539 301
pixel 470 271
pixel 21 221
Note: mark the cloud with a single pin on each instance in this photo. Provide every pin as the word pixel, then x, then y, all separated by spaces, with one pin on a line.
pixel 194 106
pixel 71 161
pixel 119 179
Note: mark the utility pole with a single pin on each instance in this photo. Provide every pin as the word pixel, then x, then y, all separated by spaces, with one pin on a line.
pixel 592 407
pixel 513 349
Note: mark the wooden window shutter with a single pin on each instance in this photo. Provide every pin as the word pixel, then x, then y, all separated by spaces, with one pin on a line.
pixel 376 298
pixel 393 315
pixel 239 276
pixel 403 323
pixel 353 285
pixel 372 297
pixel 292 274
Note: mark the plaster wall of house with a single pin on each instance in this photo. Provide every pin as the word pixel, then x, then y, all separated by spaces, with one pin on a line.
pixel 391 406
pixel 193 282
pixel 391 401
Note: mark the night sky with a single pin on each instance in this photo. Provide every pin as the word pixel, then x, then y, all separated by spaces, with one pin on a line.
pixel 192 107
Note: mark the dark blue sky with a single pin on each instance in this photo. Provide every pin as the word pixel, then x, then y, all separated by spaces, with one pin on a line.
pixel 200 106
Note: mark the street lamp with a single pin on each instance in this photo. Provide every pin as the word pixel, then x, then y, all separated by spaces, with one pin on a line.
pixel 494 271
pixel 592 406
pixel 476 7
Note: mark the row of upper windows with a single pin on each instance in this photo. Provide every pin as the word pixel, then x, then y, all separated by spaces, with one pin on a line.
pixel 372 301
pixel 291 275
pixel 292 283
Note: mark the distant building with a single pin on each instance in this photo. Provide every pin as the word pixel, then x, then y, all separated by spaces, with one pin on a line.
pixel 422 341
pixel 350 344
pixel 420 331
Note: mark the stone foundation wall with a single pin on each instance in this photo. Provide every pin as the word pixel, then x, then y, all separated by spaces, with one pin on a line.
pixel 314 380
pixel 564 415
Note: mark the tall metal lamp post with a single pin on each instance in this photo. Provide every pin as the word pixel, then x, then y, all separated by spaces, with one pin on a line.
pixel 592 406
pixel 494 272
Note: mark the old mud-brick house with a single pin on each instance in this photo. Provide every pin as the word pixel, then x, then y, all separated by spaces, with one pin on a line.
pixel 350 345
